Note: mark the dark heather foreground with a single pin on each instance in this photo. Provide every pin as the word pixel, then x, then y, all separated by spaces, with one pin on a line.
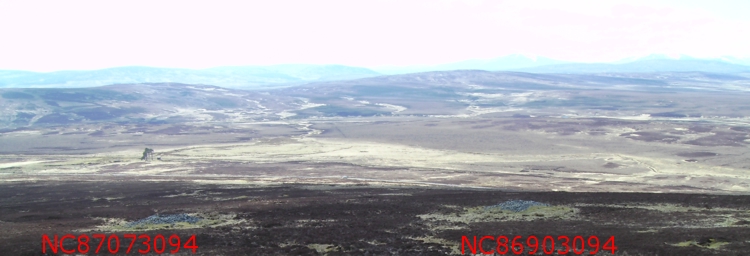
pixel 361 219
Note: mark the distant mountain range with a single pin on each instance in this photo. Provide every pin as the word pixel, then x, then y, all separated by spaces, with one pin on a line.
pixel 232 77
pixel 509 62
pixel 728 59
pixel 734 60
pixel 643 66
pixel 256 77
pixel 655 57
pixel 650 63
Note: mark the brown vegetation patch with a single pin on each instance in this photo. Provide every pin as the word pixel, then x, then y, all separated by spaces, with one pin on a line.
pixel 619 183
pixel 611 165
pixel 566 131
pixel 97 133
pixel 697 154
pixel 482 126
pixel 173 130
pixel 523 125
pixel 721 139
pixel 650 137
pixel 218 116
pixel 740 129
pixel 700 129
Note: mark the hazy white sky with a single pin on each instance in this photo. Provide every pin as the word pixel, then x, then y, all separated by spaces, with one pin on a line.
pixel 72 34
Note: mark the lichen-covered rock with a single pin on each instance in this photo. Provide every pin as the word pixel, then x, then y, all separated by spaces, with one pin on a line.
pixel 515 205
pixel 165 219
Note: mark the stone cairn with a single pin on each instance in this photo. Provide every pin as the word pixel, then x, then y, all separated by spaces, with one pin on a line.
pixel 148 154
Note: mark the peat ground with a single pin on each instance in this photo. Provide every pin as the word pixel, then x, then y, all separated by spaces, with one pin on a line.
pixel 359 219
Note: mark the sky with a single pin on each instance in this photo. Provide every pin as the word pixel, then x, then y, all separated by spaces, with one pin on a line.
pixel 92 34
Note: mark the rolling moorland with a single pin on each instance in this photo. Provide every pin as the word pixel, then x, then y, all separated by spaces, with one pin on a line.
pixel 387 165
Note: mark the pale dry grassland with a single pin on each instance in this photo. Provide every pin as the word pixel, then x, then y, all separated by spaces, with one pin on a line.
pixel 478 153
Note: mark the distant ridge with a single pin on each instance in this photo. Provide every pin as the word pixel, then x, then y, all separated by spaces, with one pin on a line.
pixel 509 62
pixel 655 57
pixel 258 77
pixel 232 77
pixel 643 66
